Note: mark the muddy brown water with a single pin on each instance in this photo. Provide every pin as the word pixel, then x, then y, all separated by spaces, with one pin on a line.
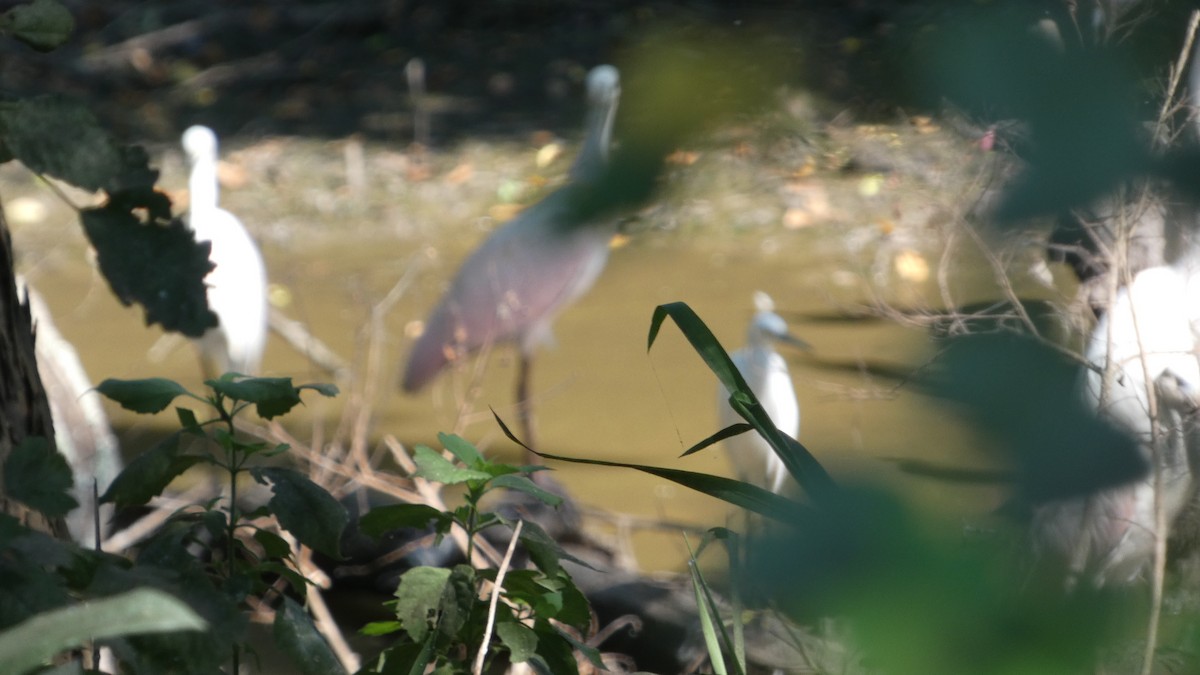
pixel 599 393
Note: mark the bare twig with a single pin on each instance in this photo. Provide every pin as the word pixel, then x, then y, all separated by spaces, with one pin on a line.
pixel 497 586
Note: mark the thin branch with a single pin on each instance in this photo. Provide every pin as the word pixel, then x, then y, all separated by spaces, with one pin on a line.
pixel 497 586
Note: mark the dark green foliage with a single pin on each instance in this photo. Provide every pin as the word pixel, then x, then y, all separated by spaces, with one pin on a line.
pixel 42 24
pixel 157 264
pixel 441 613
pixel 147 396
pixel 1026 395
pixel 218 583
pixel 36 475
pixel 150 473
pixel 298 638
pixel 305 509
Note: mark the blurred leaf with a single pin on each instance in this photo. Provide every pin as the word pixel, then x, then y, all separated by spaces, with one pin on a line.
pixel 921 601
pixel 297 637
pixel 1027 396
pixel 60 137
pixel 149 473
pixel 305 509
pixel 32 643
pixel 157 264
pixel 728 432
pixel 36 475
pixel 41 24
pixel 147 396
pixel 383 519
pixel 431 465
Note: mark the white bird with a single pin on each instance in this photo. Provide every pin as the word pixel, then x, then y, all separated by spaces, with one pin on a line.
pixel 766 373
pixel 237 287
pixel 1148 343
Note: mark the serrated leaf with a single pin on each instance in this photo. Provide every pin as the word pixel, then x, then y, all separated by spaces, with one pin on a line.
pixel 36 475
pixel 306 510
pixel 419 598
pixel 383 519
pixel 158 265
pixel 148 396
pixel 431 465
pixel 149 473
pixel 33 642
pixel 296 636
pixel 520 639
pixel 42 24
pixel 523 484
pixel 461 448
pixel 271 396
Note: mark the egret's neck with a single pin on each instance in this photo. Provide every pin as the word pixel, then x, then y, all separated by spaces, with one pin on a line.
pixel 593 157
pixel 202 186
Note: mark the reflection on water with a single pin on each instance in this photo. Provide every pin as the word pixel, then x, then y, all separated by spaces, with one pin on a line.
pixel 599 394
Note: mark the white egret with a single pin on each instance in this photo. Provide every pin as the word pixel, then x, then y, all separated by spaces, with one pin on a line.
pixel 237 287
pixel 517 282
pixel 766 373
pixel 1147 342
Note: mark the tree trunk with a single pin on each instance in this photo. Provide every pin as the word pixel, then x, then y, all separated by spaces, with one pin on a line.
pixel 24 408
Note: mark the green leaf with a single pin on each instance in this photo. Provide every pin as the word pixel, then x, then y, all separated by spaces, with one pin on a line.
pixel 800 463
pixel 555 655
pixel 187 420
pixel 460 597
pixel 36 475
pixel 42 24
pixel 520 639
pixel 383 519
pixel 523 484
pixel 272 396
pixel 745 495
pixel 151 472
pixel 462 449
pixel 157 264
pixel 60 136
pixel 431 465
pixel 306 510
pixel 297 637
pixel 148 396
pixel 376 628
pixel 323 388
pixel 275 545
pixel 419 599
pixel 33 642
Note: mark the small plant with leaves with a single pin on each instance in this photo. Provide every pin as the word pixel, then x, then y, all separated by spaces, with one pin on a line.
pixel 215 554
pixel 463 619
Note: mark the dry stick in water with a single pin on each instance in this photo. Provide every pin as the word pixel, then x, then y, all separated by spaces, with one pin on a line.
pixel 497 586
